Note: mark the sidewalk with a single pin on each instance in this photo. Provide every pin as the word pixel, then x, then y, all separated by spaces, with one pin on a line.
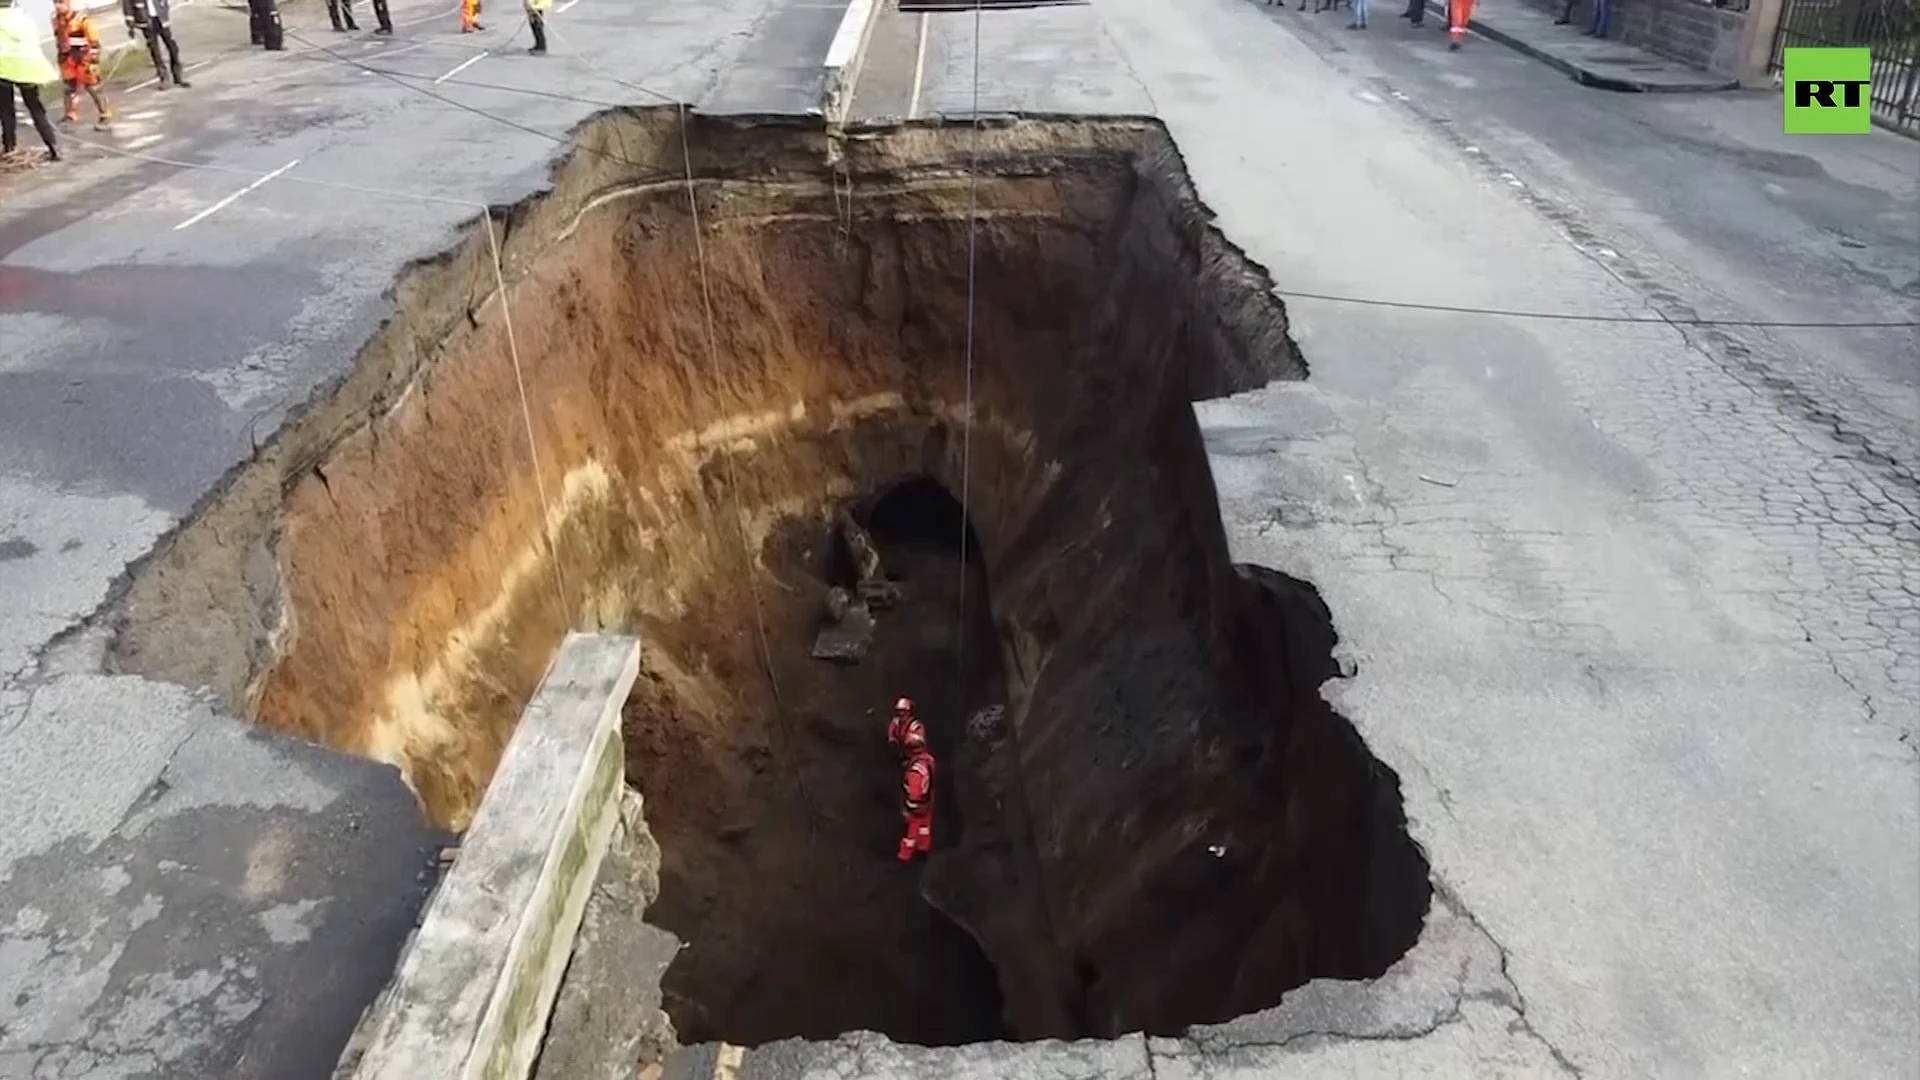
pixel 1609 65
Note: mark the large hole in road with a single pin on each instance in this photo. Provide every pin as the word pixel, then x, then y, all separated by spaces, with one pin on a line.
pixel 1148 816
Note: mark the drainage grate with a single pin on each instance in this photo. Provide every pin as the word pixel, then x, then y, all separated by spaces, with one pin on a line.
pixel 990 5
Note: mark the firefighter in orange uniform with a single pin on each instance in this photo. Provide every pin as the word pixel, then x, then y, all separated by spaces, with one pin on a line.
pixel 904 721
pixel 1459 14
pixel 916 795
pixel 470 16
pixel 78 42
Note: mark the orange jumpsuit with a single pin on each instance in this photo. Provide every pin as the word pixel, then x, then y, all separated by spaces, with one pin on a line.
pixel 79 45
pixel 470 16
pixel 1459 13
pixel 916 805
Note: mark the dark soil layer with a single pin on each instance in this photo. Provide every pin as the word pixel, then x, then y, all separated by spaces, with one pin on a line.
pixel 802 922
pixel 1164 825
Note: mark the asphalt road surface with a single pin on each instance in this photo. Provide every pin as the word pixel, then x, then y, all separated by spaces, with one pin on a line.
pixel 1633 609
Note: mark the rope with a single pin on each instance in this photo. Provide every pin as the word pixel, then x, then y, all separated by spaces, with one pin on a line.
pixel 548 527
pixel 733 486
pixel 782 720
pixel 500 288
pixel 406 79
pixel 966 416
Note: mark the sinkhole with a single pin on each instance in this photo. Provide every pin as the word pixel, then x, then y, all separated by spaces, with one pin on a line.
pixel 1147 818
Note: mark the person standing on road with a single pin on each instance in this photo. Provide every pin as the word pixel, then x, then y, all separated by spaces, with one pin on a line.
pixel 1602 19
pixel 153 19
pixel 338 8
pixel 470 16
pixel 1416 13
pixel 1359 15
pixel 916 798
pixel 263 23
pixel 24 69
pixel 1459 14
pixel 78 43
pixel 537 22
pixel 382 16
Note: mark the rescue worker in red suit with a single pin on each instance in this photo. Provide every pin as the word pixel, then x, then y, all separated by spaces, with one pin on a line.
pixel 904 721
pixel 916 795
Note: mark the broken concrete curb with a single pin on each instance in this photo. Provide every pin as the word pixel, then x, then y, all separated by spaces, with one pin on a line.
pixel 473 993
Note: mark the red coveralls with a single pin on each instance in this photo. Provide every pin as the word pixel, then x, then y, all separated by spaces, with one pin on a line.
pixel 898 729
pixel 916 805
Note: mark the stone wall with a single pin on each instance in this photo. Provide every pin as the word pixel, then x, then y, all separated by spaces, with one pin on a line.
pixel 1691 31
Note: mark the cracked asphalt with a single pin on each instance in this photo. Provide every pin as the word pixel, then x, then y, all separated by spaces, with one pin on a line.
pixel 182 896
pixel 1631 609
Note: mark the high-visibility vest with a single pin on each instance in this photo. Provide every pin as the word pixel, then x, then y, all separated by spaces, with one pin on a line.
pixel 21 60
pixel 898 727
pixel 917 783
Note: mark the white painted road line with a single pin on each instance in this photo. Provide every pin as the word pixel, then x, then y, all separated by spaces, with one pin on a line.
pixel 233 198
pixel 155 81
pixel 460 67
pixel 564 6
pixel 919 70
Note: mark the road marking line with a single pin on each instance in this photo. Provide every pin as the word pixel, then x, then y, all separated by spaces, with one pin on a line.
pixel 143 141
pixel 155 81
pixel 233 198
pixel 440 14
pixel 564 6
pixel 919 70
pixel 460 67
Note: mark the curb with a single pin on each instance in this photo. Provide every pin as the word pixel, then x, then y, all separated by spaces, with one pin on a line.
pixel 1586 76
pixel 844 57
pixel 474 990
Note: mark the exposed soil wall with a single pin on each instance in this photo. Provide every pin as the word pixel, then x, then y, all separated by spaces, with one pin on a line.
pixel 391 574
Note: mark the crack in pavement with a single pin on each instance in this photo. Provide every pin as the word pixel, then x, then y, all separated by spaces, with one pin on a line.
pixel 1512 999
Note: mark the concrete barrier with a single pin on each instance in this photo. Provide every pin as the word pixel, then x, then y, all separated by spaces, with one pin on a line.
pixel 844 57
pixel 472 995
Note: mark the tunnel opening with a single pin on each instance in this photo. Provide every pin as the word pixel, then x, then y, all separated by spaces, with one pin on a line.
pixel 1147 815
pixel 805 891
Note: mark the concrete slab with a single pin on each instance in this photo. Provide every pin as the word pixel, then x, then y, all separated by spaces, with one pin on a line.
pixel 194 918
pixel 474 991
pixel 608 1020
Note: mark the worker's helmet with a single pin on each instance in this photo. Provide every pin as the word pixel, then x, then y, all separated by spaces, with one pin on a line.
pixel 914 738
pixel 903 707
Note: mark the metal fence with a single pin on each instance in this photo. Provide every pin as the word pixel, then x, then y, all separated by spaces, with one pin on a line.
pixel 1890 28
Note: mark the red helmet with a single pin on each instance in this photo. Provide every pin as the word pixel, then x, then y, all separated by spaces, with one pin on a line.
pixel 903 707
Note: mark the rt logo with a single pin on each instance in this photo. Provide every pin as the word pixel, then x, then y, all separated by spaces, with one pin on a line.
pixel 1827 91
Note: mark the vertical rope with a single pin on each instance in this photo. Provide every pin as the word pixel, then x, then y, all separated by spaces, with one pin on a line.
pixel 966 419
pixel 547 527
pixel 733 479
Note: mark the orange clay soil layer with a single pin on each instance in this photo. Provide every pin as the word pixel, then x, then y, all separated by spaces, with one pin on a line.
pixel 1148 817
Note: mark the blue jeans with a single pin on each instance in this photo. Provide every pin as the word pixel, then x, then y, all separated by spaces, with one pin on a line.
pixel 1359 12
pixel 1602 15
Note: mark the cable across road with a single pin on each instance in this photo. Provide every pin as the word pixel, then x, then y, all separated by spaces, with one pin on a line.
pixel 410 81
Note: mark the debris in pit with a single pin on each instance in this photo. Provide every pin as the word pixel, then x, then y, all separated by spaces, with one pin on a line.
pixel 850 623
pixel 870 575
pixel 849 629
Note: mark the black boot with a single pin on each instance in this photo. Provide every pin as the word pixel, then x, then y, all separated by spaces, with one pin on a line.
pixel 180 78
